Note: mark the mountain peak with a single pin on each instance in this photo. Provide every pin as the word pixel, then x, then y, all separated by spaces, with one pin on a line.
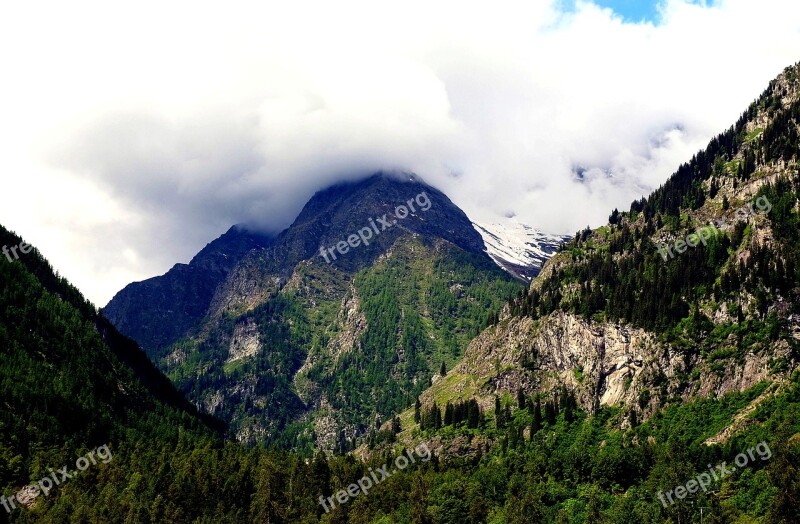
pixel 403 199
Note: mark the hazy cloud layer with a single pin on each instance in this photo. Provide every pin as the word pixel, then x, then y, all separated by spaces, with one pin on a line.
pixel 133 136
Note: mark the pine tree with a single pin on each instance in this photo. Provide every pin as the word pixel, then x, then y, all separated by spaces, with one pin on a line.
pixel 550 413
pixel 473 414
pixel 536 425
pixel 568 416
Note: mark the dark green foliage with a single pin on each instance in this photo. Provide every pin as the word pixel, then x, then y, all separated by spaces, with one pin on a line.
pixel 284 335
pixel 627 278
pixel 499 415
pixel 69 382
pixel 463 412
pixel 520 398
pixel 431 418
pixel 536 421
pixel 398 355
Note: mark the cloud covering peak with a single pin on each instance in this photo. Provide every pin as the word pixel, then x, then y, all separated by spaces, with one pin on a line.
pixel 133 136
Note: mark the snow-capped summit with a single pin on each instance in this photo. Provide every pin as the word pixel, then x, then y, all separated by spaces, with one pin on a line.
pixel 518 248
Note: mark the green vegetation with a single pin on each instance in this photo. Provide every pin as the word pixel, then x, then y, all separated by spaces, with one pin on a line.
pixel 69 382
pixel 627 279
pixel 420 311
pixel 64 391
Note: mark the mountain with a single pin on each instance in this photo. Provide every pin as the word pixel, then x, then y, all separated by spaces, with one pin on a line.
pixel 69 382
pixel 649 374
pixel 696 287
pixel 32 293
pixel 652 346
pixel 90 431
pixel 159 311
pixel 519 249
pixel 309 339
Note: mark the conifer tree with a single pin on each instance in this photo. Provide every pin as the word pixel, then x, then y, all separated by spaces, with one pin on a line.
pixel 520 398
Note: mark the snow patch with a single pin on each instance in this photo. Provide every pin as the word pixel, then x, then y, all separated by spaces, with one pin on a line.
pixel 518 248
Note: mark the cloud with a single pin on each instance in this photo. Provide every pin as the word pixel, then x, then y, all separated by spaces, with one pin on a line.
pixel 132 136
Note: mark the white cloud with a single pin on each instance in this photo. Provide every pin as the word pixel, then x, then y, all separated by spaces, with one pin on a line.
pixel 132 136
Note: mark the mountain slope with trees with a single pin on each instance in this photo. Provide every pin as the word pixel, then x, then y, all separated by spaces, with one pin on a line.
pixel 302 350
pixel 619 329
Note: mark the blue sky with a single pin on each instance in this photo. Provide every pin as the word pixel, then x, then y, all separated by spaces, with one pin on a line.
pixel 638 10
pixel 633 10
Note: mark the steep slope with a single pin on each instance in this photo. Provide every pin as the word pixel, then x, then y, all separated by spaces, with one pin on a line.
pixel 73 389
pixel 64 394
pixel 645 352
pixel 69 381
pixel 341 320
pixel 693 293
pixel 518 248
pixel 31 280
pixel 159 311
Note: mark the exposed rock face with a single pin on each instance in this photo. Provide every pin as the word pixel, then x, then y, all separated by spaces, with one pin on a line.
pixel 212 402
pixel 326 428
pixel 245 341
pixel 245 287
pixel 463 446
pixel 604 363
pixel 351 325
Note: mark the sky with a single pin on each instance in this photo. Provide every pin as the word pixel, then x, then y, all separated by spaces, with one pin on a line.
pixel 133 134
pixel 633 10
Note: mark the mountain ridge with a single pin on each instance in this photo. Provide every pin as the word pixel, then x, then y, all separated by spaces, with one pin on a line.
pixel 289 323
pixel 186 290
pixel 622 326
pixel 594 395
